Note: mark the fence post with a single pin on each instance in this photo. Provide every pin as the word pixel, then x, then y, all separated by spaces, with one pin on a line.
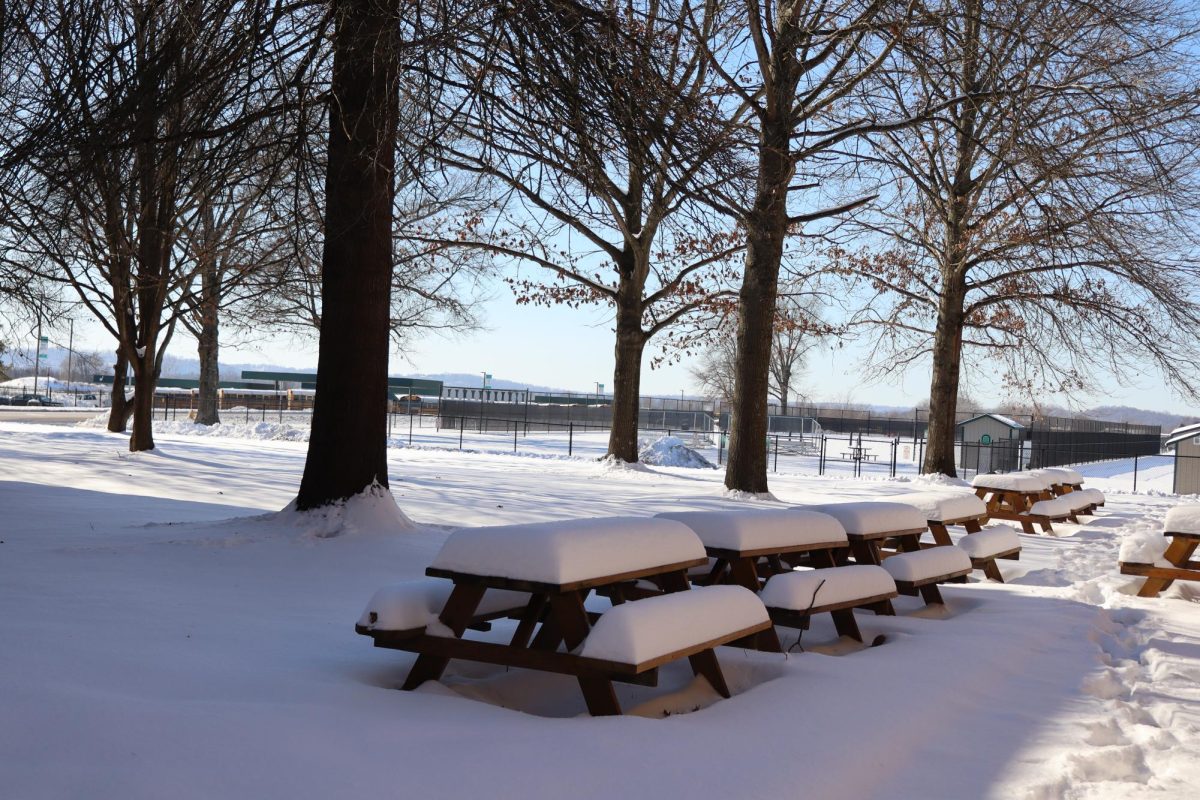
pixel 776 468
pixel 895 451
pixel 462 423
pixel 410 425
pixel 921 457
pixel 571 439
pixel 1135 467
pixel 514 438
pixel 821 457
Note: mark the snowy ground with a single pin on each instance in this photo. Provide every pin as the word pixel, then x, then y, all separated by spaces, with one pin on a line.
pixel 162 634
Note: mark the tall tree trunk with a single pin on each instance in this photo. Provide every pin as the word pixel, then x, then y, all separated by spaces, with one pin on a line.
pixel 207 344
pixel 118 415
pixel 144 381
pixel 210 372
pixel 627 385
pixel 766 228
pixel 943 390
pixel 347 449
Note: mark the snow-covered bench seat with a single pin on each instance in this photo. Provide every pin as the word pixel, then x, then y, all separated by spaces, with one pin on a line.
pixel 409 607
pixel 1083 501
pixel 737 540
pixel 792 598
pixel 984 547
pixel 1182 528
pixel 1045 512
pixel 869 523
pixel 1012 496
pixel 640 636
pixel 920 572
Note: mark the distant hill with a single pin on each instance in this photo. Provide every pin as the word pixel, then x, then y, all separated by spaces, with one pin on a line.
pixel 1140 416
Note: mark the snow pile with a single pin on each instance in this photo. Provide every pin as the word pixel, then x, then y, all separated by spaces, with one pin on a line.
pixel 373 511
pixel 670 451
pixel 416 604
pixel 938 479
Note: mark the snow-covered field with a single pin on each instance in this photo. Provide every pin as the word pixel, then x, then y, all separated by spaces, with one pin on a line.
pixel 164 633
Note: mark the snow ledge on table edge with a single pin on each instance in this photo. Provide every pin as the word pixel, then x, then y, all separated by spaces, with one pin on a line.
pixel 372 511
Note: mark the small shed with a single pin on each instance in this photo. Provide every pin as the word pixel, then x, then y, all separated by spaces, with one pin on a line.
pixel 1185 441
pixel 991 443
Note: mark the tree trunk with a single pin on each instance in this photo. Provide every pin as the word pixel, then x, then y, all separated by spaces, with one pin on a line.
pixel 627 385
pixel 766 227
pixel 210 373
pixel 118 415
pixel 347 449
pixel 943 390
pixel 144 380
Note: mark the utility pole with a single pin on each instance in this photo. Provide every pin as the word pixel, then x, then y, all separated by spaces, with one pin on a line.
pixel 37 361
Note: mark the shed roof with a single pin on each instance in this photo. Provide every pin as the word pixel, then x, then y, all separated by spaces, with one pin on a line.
pixel 1010 422
pixel 1183 432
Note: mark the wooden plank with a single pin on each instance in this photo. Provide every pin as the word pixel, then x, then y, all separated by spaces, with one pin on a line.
pixel 705 664
pixel 456 615
pixel 759 552
pixel 497 582
pixel 798 618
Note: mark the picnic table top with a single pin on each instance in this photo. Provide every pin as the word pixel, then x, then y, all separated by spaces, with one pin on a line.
pixel 761 532
pixel 567 555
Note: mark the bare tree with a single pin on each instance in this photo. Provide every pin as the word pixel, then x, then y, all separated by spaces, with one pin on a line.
pixel 793 67
pixel 1043 225
pixel 595 121
pixel 128 103
pixel 798 328
pixel 386 54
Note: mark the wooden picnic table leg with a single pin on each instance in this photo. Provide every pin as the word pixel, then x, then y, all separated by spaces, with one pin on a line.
pixel 826 558
pixel 941 536
pixel 460 607
pixel 992 571
pixel 529 620
pixel 846 624
pixel 744 573
pixel 567 609
pixel 674 581
pixel 972 526
pixel 931 594
pixel 1179 552
pixel 865 552
pixel 910 543
pixel 705 663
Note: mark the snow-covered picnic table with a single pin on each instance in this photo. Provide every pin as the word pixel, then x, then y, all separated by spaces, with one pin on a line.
pixel 1182 528
pixel 1013 496
pixel 558 564
pixel 738 540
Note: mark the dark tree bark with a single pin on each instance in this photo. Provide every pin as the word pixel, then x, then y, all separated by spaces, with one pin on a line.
pixel 207 412
pixel 627 379
pixel 347 449
pixel 943 390
pixel 118 415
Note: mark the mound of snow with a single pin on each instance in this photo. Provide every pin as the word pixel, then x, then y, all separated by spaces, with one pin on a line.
pixel 938 479
pixel 670 451
pixel 373 511
pixel 1144 546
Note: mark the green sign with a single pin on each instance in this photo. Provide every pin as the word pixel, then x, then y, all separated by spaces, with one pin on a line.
pixel 985 439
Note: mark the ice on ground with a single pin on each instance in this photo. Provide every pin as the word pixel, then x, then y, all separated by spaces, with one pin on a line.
pixel 671 451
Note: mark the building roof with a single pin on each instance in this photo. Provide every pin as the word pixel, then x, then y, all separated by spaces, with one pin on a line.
pixel 1181 433
pixel 1010 422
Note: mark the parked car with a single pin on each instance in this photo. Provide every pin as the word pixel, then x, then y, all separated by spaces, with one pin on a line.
pixel 5 400
pixel 34 400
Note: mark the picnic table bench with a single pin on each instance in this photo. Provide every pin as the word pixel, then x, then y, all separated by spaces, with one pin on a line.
pixel 557 565
pixel 945 509
pixel 859 454
pixel 1182 527
pixel 869 524
pixel 751 548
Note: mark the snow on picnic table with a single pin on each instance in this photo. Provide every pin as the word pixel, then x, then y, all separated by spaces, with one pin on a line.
pixel 164 634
